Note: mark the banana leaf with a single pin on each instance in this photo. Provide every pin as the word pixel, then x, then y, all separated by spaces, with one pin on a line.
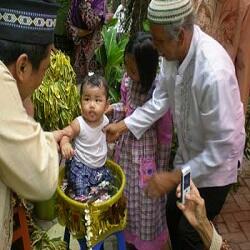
pixel 110 57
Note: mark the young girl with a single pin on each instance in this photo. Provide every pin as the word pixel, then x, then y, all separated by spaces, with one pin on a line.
pixel 90 148
pixel 146 227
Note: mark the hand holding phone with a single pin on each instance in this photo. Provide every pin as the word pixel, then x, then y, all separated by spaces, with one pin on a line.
pixel 185 183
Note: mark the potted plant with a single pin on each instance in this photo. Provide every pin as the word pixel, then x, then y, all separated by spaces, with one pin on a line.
pixel 56 104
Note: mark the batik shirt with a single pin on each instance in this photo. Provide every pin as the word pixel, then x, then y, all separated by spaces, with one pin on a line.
pixel 228 22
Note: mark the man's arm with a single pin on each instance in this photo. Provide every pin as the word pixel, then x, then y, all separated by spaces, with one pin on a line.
pixel 143 117
pixel 28 157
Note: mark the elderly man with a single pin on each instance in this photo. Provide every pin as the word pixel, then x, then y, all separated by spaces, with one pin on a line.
pixel 199 85
pixel 28 156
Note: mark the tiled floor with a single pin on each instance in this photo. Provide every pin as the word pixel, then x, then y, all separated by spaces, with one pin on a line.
pixel 233 223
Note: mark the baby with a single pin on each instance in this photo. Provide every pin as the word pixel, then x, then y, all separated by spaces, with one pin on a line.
pixel 89 151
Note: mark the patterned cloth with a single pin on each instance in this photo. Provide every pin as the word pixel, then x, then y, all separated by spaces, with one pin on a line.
pixel 228 22
pixel 146 227
pixel 81 177
pixel 247 126
pixel 85 46
pixel 169 11
pixel 31 22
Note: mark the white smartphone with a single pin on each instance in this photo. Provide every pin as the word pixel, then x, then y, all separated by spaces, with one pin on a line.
pixel 185 183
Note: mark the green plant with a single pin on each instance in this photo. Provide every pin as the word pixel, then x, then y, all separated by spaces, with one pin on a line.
pixel 61 17
pixel 110 57
pixel 146 26
pixel 56 104
pixel 39 238
pixel 56 101
pixel 41 241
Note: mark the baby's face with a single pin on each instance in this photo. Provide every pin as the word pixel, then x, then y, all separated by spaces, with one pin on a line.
pixel 93 103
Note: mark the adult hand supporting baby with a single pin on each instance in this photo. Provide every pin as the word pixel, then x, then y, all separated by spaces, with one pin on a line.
pixel 58 134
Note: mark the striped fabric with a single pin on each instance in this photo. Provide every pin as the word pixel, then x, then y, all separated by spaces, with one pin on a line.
pixel 28 21
pixel 169 11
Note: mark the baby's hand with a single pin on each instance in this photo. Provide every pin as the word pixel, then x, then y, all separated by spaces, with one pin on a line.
pixel 67 151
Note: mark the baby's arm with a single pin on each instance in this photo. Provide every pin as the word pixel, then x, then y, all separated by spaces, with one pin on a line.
pixel 72 131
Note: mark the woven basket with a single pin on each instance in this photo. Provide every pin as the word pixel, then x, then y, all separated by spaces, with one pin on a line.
pixel 93 221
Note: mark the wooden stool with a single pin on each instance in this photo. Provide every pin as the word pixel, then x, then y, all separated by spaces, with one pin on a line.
pixel 21 232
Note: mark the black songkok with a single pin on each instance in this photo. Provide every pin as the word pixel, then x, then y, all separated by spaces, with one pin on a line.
pixel 28 21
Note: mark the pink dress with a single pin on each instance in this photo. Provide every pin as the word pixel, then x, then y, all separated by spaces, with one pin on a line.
pixel 146 224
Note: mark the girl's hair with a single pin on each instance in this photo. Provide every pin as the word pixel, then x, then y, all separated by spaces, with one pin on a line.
pixel 95 80
pixel 146 58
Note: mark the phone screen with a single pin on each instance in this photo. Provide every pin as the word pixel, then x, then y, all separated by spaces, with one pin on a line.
pixel 187 181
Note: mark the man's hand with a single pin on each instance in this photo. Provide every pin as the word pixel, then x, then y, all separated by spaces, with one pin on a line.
pixel 58 134
pixel 67 150
pixel 114 130
pixel 162 182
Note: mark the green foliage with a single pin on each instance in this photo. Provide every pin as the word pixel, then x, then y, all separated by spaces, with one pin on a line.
pixel 146 26
pixel 41 241
pixel 61 17
pixel 57 100
pixel 110 57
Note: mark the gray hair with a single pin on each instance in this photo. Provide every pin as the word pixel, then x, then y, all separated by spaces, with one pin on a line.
pixel 174 29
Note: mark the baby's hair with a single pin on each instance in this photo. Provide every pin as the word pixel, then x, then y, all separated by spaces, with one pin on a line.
pixel 146 57
pixel 95 80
